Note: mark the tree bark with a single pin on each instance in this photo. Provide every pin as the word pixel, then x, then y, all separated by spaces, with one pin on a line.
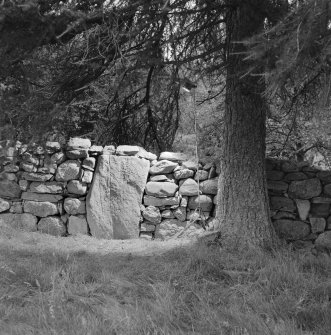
pixel 242 206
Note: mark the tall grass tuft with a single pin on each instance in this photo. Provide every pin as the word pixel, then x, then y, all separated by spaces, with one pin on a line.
pixel 197 290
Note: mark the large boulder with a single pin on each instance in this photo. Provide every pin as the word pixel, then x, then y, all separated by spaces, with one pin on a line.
pixel 41 209
pixel 52 225
pixel 25 221
pixel 161 189
pixel 9 189
pixel 305 189
pixel 113 202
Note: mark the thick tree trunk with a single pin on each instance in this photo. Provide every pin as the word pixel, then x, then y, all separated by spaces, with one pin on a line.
pixel 242 205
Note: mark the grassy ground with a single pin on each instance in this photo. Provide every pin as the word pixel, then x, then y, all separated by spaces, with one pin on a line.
pixel 191 290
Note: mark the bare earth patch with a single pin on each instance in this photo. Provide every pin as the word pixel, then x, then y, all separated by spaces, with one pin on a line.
pixel 19 240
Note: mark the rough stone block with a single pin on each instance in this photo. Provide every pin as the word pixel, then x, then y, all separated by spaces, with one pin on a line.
pixel 305 189
pixel 183 174
pixel 74 206
pixel 291 229
pixel 78 143
pixel 173 156
pixel 282 203
pixel 209 186
pixel 152 214
pixel 163 167
pixel 34 176
pixel 68 170
pixel 52 187
pixel 9 189
pixel 161 189
pixel 188 187
pixel 89 163
pixel 77 187
pixel 317 224
pixel 205 201
pixel 277 186
pixel 41 209
pixel 77 225
pixel 127 150
pixel 41 197
pixel 77 153
pixel 160 202
pixel 52 225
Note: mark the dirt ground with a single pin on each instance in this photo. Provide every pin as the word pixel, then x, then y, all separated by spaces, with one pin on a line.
pixel 19 240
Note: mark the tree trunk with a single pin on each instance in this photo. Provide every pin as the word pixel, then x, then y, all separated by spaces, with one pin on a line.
pixel 242 206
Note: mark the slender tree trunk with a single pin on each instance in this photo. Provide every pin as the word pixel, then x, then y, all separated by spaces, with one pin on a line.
pixel 242 205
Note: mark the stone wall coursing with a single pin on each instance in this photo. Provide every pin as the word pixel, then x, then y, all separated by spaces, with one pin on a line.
pixel 48 189
pixel 44 187
pixel 172 196
pixel 300 202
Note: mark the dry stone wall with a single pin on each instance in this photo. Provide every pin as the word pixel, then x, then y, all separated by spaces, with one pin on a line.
pixel 126 192
pixel 173 196
pixel 300 202
pixel 44 188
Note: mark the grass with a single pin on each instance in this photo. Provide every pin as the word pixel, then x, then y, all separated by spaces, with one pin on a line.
pixel 196 290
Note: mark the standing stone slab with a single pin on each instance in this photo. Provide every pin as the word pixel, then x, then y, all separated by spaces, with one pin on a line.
pixel 113 202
